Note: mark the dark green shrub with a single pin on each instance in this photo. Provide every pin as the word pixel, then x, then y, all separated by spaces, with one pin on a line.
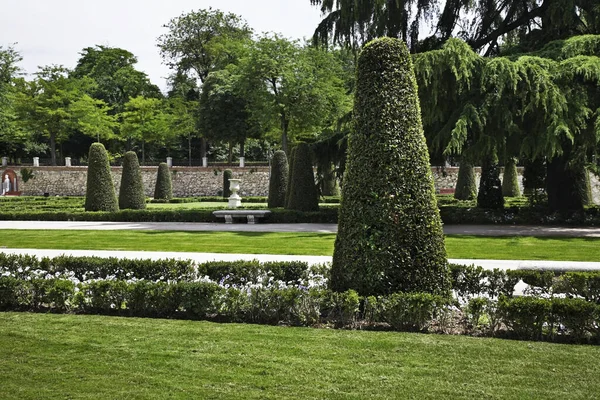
pixel 131 192
pixel 303 190
pixel 278 180
pixel 411 312
pixel 466 186
pixel 341 308
pixel 534 181
pixel 164 187
pixel 290 177
pixel 490 188
pixel 100 190
pixel 567 184
pixel 577 316
pixel 328 183
pixel 510 179
pixel 580 284
pixel 525 316
pixel 390 236
pixel 227 175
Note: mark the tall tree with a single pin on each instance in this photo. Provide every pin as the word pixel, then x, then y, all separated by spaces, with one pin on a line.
pixel 203 41
pixel 293 89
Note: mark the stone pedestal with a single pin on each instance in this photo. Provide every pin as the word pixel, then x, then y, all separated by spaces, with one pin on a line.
pixel 234 200
pixel 205 162
pixel 36 161
pixel 67 161
pixel 4 161
pixel 169 162
pixel 242 162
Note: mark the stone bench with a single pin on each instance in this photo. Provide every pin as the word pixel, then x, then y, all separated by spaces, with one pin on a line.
pixel 250 215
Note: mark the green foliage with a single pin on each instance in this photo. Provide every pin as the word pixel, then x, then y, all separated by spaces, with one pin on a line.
pixel 567 185
pixel 303 190
pixel 490 189
pixel 466 187
pixel 278 181
pixel 525 316
pixel 131 192
pixel 100 192
pixel 288 190
pixel 510 179
pixel 534 180
pixel 26 174
pixel 227 175
pixel 390 236
pixel 412 312
pixel 164 187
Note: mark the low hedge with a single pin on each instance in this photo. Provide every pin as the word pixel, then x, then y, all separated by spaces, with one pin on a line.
pixel 294 293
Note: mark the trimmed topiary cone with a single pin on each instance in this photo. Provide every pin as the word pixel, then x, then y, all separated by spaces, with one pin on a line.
pixel 131 192
pixel 227 175
pixel 390 236
pixel 490 189
pixel 288 190
pixel 100 191
pixel 304 195
pixel 164 187
pixel 510 180
pixel 466 185
pixel 278 181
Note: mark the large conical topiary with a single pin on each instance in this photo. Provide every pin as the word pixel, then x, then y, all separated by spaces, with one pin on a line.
pixel 164 186
pixel 490 189
pixel 278 180
pixel 390 236
pixel 510 179
pixel 290 177
pixel 466 185
pixel 304 195
pixel 100 191
pixel 131 192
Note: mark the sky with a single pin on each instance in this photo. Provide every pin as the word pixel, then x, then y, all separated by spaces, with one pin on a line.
pixel 47 32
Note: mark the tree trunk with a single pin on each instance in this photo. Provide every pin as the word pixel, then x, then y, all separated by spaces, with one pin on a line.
pixel 242 148
pixel 143 152
pixel 230 153
pixel 53 148
pixel 203 147
pixel 284 132
pixel 566 185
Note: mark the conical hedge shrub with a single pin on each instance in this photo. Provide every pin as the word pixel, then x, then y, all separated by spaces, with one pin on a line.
pixel 278 180
pixel 164 187
pixel 490 189
pixel 303 192
pixel 510 179
pixel 131 192
pixel 100 191
pixel 466 185
pixel 390 236
pixel 227 175
pixel 290 177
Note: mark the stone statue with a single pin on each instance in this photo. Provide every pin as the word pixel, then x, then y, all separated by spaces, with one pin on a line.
pixel 6 185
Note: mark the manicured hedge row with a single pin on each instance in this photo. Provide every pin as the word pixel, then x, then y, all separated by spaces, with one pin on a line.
pixel 558 307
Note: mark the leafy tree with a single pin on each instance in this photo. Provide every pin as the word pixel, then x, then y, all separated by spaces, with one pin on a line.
pixel 223 111
pixel 164 186
pixel 293 89
pixel 183 96
pixel 100 191
pixel 390 234
pixel 304 195
pixel 278 181
pixel 144 120
pixel 55 105
pixel 131 191
pixel 116 79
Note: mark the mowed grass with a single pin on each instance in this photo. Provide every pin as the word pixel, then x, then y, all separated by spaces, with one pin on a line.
pixel 46 356
pixel 458 246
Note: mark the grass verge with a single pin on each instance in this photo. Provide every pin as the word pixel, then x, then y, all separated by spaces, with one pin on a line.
pixel 458 246
pixel 89 357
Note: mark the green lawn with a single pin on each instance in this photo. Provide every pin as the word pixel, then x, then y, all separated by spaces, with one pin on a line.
pixel 458 246
pixel 47 356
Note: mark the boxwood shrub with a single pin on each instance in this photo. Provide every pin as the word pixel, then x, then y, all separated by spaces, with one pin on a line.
pixel 510 179
pixel 390 236
pixel 164 186
pixel 278 182
pixel 100 191
pixel 131 193
pixel 304 195
pixel 466 186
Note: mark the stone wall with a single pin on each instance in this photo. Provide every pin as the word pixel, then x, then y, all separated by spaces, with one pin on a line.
pixel 197 181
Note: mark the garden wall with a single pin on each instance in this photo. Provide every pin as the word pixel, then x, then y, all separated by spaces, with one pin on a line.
pixel 198 181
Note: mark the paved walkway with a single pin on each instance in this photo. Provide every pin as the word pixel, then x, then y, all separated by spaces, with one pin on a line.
pixel 477 230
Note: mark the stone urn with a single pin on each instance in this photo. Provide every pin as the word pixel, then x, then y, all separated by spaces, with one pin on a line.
pixel 234 200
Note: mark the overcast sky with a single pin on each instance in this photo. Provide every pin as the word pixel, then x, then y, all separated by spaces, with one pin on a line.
pixel 49 32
